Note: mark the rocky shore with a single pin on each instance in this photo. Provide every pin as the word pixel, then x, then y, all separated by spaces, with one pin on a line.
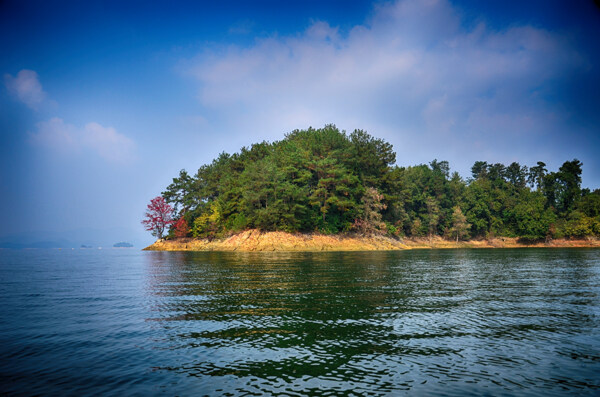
pixel 255 240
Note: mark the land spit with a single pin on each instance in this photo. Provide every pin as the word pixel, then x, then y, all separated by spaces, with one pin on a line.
pixel 256 240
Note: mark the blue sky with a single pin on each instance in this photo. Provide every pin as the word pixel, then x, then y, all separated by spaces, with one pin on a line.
pixel 102 103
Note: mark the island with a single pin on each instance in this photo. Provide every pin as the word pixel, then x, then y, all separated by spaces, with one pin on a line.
pixel 122 244
pixel 325 189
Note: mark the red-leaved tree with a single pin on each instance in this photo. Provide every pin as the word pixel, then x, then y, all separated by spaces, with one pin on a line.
pixel 159 216
pixel 181 228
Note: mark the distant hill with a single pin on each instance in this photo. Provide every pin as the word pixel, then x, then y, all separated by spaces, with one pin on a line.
pixel 123 244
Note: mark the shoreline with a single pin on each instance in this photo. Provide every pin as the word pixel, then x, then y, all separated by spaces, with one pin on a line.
pixel 258 241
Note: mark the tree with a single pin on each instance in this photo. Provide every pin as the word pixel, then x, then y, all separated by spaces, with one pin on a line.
pixel 496 172
pixel 370 222
pixel 181 228
pixel 433 215
pixel 479 169
pixel 416 228
pixel 371 157
pixel 579 225
pixel 460 226
pixel 442 167
pixel 569 176
pixel 536 175
pixel 207 224
pixel 550 188
pixel 183 193
pixel 333 194
pixel 478 202
pixel 531 220
pixel 517 174
pixel 563 188
pixel 159 216
pixel 325 180
pixel 590 204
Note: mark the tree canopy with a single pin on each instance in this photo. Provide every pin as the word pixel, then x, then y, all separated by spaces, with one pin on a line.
pixel 328 181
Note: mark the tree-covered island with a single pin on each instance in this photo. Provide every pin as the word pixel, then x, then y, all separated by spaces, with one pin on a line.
pixel 329 182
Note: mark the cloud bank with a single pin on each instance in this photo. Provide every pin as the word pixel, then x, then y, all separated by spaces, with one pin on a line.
pixel 66 138
pixel 26 87
pixel 415 73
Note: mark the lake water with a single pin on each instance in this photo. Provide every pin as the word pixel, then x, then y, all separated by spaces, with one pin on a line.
pixel 437 322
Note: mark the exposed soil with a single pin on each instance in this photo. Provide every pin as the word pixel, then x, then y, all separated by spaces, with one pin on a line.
pixel 255 240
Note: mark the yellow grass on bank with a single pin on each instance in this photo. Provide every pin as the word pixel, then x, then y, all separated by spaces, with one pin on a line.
pixel 255 240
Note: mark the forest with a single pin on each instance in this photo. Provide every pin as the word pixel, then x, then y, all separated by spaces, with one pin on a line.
pixel 327 181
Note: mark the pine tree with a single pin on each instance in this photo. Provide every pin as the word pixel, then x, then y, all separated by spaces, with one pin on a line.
pixel 372 205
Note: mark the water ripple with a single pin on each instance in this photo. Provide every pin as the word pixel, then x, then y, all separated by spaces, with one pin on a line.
pixel 471 322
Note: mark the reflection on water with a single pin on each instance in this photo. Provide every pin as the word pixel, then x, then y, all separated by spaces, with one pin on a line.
pixel 473 322
pixel 436 322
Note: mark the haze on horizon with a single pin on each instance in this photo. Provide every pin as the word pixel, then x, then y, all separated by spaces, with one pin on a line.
pixel 102 103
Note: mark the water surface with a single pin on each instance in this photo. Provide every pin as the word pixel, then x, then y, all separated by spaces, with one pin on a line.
pixel 437 322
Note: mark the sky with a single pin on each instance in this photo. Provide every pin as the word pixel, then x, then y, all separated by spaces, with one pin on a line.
pixel 103 102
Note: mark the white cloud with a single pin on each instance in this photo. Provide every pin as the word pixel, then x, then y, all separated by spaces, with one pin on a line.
pixel 66 138
pixel 413 74
pixel 26 87
pixel 55 134
pixel 108 143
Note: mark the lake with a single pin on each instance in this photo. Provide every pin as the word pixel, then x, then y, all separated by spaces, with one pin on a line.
pixel 435 322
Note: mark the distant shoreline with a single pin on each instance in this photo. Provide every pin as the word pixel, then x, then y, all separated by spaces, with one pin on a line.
pixel 258 241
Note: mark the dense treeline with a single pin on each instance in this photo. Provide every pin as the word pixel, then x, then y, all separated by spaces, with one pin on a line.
pixel 328 181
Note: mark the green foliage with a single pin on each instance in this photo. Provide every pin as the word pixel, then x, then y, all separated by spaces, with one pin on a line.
pixel 536 175
pixel 329 181
pixel 590 204
pixel 237 223
pixel 371 158
pixel 569 182
pixel 532 221
pixel 433 217
pixel 563 188
pixel 182 193
pixel 577 224
pixel 392 230
pixel 460 226
pixel 517 175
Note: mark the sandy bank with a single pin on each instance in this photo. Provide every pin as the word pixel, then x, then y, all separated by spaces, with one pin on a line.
pixel 255 240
